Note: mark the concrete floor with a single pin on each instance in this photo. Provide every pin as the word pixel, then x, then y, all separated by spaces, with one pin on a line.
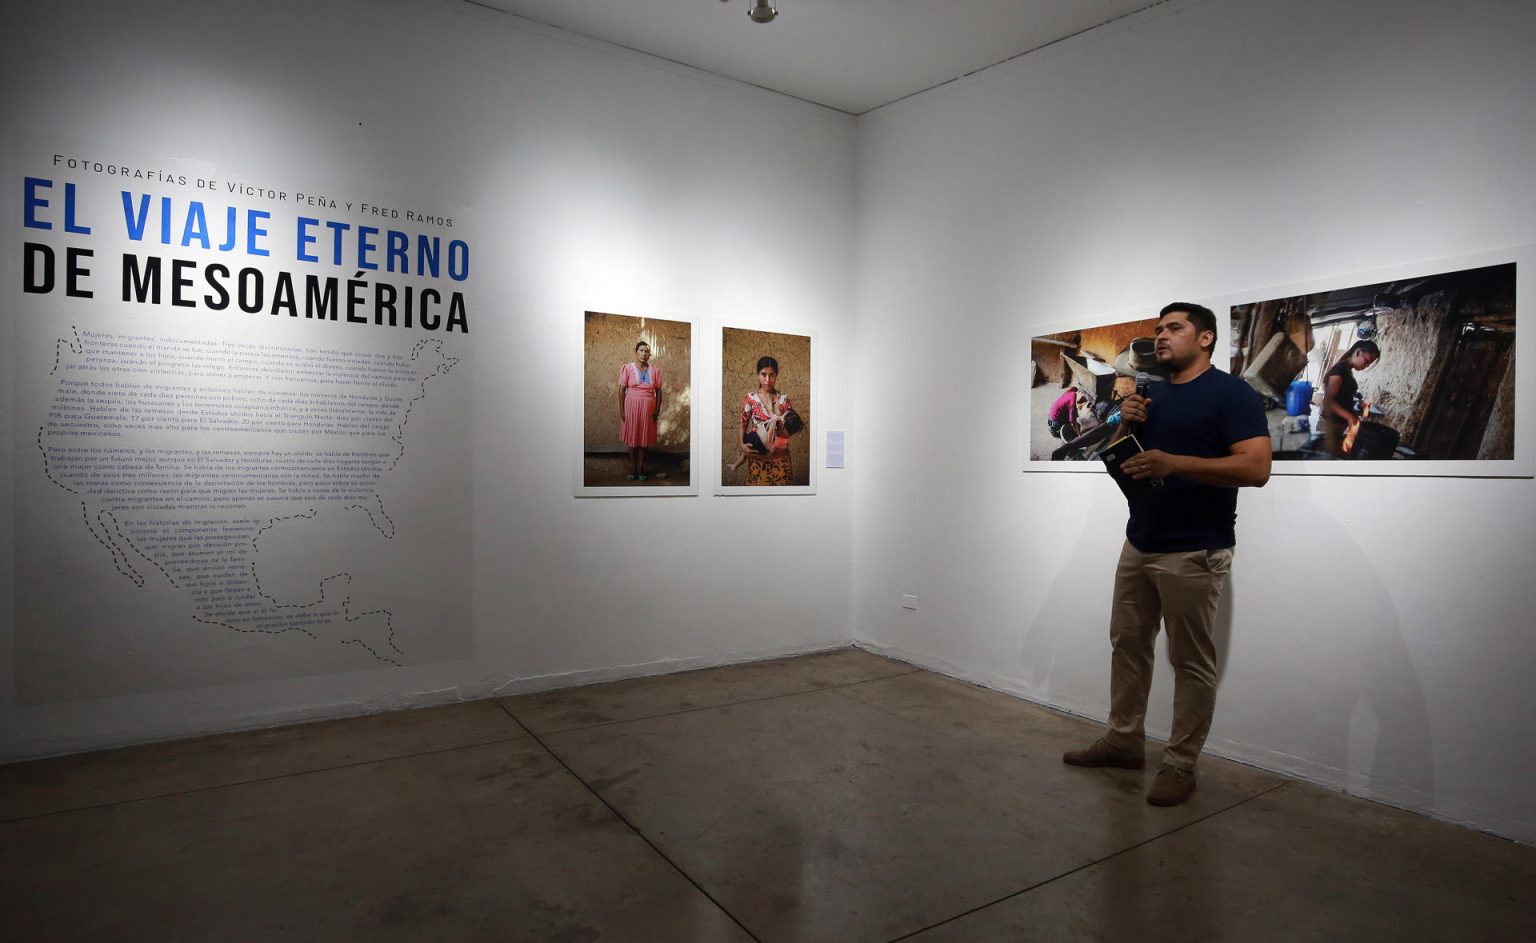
pixel 840 797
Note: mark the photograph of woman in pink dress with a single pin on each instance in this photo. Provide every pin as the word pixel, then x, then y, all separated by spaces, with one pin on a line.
pixel 647 453
pixel 639 408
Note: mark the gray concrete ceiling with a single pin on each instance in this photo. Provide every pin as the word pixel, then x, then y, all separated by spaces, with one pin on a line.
pixel 851 55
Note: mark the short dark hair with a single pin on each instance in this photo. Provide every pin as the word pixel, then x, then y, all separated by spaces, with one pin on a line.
pixel 640 344
pixel 1203 318
pixel 767 362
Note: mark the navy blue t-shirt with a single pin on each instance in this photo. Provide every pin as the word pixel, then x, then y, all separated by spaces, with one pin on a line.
pixel 1203 417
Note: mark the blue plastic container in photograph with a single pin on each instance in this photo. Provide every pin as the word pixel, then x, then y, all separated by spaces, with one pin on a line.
pixel 1298 398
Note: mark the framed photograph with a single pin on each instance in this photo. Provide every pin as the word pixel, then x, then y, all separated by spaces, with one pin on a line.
pixel 767 430
pixel 1406 371
pixel 1080 371
pixel 637 419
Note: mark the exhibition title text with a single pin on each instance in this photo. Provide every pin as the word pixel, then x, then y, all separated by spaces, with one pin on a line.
pixel 381 257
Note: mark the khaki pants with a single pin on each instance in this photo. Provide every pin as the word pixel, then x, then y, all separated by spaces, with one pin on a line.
pixel 1181 591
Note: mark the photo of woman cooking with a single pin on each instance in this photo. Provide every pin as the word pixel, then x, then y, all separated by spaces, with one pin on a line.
pixel 1410 370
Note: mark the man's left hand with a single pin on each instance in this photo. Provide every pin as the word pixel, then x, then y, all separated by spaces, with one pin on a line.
pixel 1153 463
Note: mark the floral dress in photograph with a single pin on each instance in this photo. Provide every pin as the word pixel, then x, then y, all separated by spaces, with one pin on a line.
pixel 775 467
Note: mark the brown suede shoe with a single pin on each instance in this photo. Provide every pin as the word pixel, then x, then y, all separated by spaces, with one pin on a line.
pixel 1100 753
pixel 1172 786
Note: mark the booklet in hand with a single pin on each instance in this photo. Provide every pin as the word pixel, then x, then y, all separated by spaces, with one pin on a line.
pixel 1114 455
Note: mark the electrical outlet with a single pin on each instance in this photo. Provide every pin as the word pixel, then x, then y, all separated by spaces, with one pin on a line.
pixel 908 601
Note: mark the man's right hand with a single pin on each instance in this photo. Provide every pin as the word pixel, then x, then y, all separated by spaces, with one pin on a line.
pixel 1134 408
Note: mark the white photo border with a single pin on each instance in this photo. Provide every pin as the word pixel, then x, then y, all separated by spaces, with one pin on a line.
pixel 696 448
pixel 1084 324
pixel 812 433
pixel 1523 464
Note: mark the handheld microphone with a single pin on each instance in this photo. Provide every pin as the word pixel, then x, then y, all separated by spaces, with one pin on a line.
pixel 1143 388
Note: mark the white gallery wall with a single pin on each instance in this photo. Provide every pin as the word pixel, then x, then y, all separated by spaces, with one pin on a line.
pixel 582 177
pixel 1377 631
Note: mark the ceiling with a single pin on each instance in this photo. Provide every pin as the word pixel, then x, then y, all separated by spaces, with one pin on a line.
pixel 850 55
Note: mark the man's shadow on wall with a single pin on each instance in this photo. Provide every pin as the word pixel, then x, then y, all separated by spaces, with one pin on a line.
pixel 1372 725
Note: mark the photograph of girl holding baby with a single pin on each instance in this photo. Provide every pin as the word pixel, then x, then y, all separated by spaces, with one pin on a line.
pixel 765 412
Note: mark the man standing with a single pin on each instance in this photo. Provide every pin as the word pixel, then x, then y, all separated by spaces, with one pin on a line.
pixel 1205 436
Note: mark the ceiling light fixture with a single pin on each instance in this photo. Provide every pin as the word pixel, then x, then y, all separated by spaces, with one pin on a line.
pixel 761 11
